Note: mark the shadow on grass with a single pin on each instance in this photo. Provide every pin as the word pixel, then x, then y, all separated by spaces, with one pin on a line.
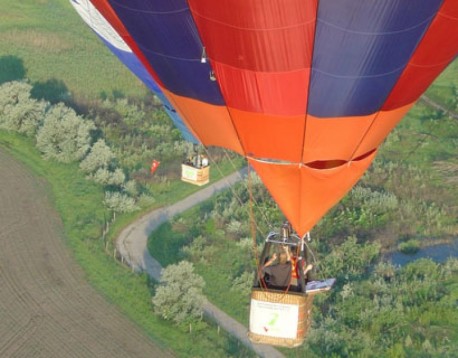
pixel 11 69
pixel 53 91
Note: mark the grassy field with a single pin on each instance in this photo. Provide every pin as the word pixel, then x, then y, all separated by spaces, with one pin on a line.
pixel 50 41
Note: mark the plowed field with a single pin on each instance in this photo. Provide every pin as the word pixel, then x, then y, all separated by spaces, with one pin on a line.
pixel 46 307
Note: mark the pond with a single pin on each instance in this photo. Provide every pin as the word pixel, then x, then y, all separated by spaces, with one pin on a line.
pixel 438 253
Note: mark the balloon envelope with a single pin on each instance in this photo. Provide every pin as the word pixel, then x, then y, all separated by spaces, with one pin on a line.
pixel 307 90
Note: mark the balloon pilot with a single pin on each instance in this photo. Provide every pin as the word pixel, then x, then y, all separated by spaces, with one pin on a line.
pixel 284 265
pixel 197 159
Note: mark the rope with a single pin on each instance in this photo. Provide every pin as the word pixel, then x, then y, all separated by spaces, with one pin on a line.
pixel 252 220
pixel 256 204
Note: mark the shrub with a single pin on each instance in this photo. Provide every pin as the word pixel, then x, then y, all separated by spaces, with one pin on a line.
pixel 409 247
pixel 107 177
pixel 64 136
pixel 120 203
pixel 18 111
pixel 179 297
pixel 100 156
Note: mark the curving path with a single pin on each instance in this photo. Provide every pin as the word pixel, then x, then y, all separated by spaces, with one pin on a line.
pixel 132 246
pixel 47 309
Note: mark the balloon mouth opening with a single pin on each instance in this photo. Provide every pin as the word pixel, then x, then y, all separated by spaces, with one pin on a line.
pixel 334 163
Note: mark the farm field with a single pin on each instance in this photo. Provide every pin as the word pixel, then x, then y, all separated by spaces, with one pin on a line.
pixel 47 308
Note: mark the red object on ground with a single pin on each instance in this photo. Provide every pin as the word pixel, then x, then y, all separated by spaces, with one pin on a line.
pixel 154 166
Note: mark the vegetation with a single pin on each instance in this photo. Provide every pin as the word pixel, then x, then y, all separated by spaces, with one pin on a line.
pixel 375 310
pixel 409 247
pixel 371 310
pixel 179 297
pixel 391 312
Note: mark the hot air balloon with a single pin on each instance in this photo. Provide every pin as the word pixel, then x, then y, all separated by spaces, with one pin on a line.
pixel 305 90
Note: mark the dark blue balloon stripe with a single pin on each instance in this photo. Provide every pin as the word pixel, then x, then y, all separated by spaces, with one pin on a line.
pixel 168 37
pixel 360 51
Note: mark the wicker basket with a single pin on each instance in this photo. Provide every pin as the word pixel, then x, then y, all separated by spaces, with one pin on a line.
pixel 196 176
pixel 289 312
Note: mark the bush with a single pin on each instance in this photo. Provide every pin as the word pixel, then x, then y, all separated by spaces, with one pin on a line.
pixel 409 247
pixel 99 157
pixel 64 136
pixel 179 298
pixel 120 203
pixel 18 111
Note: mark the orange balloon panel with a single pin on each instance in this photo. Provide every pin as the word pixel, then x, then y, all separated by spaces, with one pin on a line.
pixel 305 194
pixel 345 138
pixel 383 124
pixel 268 136
pixel 211 124
pixel 334 138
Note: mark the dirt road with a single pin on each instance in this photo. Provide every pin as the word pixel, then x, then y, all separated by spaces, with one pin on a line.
pixel 46 307
pixel 132 245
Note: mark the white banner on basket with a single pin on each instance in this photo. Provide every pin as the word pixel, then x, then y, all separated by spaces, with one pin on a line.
pixel 189 173
pixel 274 319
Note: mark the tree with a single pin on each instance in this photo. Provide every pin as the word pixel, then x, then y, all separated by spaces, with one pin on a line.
pixel 100 156
pixel 119 202
pixel 131 188
pixel 64 136
pixel 106 177
pixel 18 111
pixel 179 297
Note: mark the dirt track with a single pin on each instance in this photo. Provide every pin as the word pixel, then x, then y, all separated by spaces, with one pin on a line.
pixel 46 307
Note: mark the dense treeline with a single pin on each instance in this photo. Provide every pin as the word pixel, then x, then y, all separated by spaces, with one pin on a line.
pixel 66 137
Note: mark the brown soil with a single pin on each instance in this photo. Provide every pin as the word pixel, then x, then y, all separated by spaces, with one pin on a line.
pixel 46 307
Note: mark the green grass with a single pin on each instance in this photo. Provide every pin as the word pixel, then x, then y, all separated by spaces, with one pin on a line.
pixel 53 42
pixel 79 203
